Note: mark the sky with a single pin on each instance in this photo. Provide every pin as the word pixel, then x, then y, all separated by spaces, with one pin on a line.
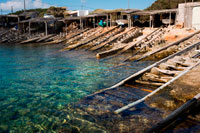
pixel 6 5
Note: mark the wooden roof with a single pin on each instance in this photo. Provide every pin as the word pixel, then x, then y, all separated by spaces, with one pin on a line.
pixel 153 12
pixel 128 11
pixel 39 20
pixel 10 16
pixel 84 17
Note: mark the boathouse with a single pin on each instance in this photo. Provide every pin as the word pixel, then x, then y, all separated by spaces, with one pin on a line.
pixel 189 15
pixel 9 21
pixel 39 25
pixel 82 22
pixel 152 18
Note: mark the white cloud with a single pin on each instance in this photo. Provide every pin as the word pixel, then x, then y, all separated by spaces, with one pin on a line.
pixel 19 4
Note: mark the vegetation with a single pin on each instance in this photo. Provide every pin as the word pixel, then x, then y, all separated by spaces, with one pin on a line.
pixel 106 11
pixel 56 11
pixel 167 4
pixel 39 10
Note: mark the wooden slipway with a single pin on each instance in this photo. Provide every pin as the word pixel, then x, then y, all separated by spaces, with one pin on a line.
pixel 71 47
pixel 124 95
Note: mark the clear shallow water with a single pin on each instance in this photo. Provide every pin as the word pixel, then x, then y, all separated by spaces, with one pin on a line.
pixel 38 83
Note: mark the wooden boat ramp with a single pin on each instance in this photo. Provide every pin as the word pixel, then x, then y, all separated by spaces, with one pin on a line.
pixel 98 38
pixel 138 87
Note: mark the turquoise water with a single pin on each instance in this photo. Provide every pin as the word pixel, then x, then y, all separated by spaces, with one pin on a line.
pixel 37 84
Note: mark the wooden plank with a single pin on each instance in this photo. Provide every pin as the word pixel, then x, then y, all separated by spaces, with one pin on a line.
pixel 77 34
pixel 170 45
pixel 108 53
pixel 30 40
pixel 87 41
pixel 111 40
pixel 131 45
pixel 44 38
pixel 155 91
pixel 148 83
pixel 107 37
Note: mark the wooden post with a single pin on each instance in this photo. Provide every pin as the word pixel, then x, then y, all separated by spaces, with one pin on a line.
pixel 66 28
pixel 46 28
pixel 170 17
pixel 128 21
pixel 107 21
pixel 110 20
pixel 81 23
pixel 29 27
pixel 18 19
pixel 23 28
pixel 150 20
pixel 94 22
pixel 131 20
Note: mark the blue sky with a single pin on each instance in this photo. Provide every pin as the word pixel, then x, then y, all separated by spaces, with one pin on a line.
pixel 74 4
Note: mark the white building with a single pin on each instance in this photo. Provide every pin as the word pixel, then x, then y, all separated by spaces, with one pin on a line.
pixel 78 13
pixel 189 14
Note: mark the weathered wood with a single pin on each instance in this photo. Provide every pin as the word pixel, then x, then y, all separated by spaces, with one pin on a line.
pixel 44 38
pixel 139 73
pixel 108 53
pixel 170 45
pixel 107 37
pixel 148 83
pixel 168 66
pixel 131 45
pixel 77 34
pixel 155 78
pixel 132 35
pixel 71 47
pixel 155 91
pixel 114 50
pixel 158 71
pixel 110 40
pixel 30 40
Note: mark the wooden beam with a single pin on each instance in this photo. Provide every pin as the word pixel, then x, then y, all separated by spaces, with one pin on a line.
pixel 170 45
pixel 132 44
pixel 107 20
pixel 94 22
pixel 29 28
pixel 46 28
pixel 110 20
pixel 170 17
pixel 107 53
pixel 87 41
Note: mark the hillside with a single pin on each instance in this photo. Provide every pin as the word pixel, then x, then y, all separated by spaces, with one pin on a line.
pixel 167 4
pixel 39 10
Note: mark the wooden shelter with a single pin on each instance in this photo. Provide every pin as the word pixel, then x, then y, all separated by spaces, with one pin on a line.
pixel 8 21
pixel 46 25
pixel 85 21
pixel 156 17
